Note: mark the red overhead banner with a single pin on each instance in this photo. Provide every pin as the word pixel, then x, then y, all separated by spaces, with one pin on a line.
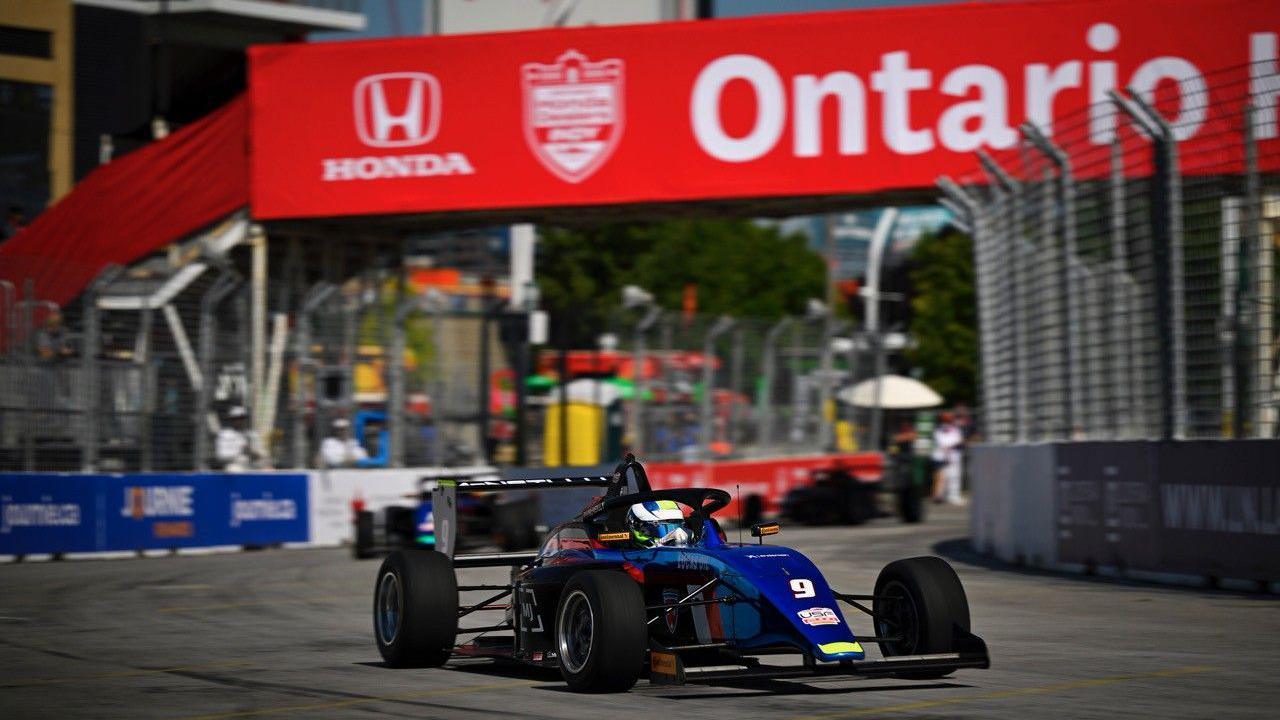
pixel 790 105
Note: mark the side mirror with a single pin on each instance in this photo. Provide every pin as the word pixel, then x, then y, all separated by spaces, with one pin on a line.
pixel 759 530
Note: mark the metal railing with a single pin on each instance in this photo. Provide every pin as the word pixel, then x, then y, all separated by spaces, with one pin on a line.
pixel 1126 268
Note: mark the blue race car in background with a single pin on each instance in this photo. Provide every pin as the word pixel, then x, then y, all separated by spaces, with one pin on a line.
pixel 605 608
pixel 507 520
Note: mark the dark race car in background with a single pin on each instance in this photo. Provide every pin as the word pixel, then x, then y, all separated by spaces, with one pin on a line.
pixel 842 493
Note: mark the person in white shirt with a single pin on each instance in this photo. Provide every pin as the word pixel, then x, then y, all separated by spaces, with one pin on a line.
pixel 340 449
pixel 948 444
pixel 236 447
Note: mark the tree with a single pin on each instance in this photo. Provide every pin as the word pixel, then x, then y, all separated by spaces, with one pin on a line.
pixel 944 322
pixel 739 268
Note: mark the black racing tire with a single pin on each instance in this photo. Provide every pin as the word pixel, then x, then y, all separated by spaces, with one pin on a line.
pixel 752 510
pixel 362 547
pixel 614 632
pixel 922 600
pixel 861 505
pixel 415 608
pixel 911 507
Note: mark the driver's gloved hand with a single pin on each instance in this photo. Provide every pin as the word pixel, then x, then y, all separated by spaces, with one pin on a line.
pixel 678 538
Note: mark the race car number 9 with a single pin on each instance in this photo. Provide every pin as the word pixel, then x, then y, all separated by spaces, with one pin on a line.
pixel 802 588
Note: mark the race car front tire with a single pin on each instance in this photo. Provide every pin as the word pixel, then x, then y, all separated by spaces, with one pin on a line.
pixel 920 600
pixel 363 547
pixel 415 608
pixel 601 633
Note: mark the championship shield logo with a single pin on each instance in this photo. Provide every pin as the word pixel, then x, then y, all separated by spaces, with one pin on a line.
pixel 670 597
pixel 573 113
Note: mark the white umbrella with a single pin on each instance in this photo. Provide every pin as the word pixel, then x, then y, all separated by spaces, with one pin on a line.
pixel 896 393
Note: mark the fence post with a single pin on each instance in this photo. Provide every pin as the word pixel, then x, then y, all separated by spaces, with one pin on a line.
pixel 1245 414
pixel 8 317
pixel 1069 312
pixel 27 320
pixel 395 384
pixel 436 303
pixel 1124 398
pixel 89 360
pixel 316 296
pixel 1166 236
pixel 825 368
pixel 142 361
pixel 1264 387
pixel 984 223
pixel 222 286
pixel 735 385
pixel 723 325
pixel 986 230
pixel 770 359
pixel 640 383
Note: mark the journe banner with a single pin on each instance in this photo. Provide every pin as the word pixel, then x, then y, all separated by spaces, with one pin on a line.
pixel 790 105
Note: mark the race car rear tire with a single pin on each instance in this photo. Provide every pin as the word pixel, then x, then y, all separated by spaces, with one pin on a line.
pixel 911 507
pixel 601 633
pixel 415 608
pixel 363 547
pixel 921 600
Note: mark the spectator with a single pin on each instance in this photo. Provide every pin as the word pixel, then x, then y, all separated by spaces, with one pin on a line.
pixel 15 221
pixel 948 445
pixel 340 449
pixel 903 441
pixel 237 447
pixel 51 341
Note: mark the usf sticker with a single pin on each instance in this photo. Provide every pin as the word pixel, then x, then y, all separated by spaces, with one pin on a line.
pixel 819 616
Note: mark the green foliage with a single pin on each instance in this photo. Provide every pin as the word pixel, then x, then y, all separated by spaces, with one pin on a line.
pixel 375 331
pixel 739 267
pixel 944 322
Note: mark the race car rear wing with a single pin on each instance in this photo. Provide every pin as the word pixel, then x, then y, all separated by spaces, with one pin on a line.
pixel 444 498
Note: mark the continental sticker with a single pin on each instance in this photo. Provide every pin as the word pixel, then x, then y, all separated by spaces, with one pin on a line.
pixel 663 663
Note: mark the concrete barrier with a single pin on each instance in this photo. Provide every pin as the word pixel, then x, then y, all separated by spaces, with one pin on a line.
pixel 1199 512
pixel 63 513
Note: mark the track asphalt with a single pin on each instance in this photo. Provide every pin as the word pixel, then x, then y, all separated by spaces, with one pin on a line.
pixel 287 633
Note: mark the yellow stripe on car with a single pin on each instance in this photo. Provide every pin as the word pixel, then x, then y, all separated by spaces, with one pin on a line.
pixel 840 647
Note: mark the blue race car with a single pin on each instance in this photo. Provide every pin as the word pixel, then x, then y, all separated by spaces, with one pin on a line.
pixel 646 582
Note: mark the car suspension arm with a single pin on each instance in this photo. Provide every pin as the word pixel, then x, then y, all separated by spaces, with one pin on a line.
pixel 482 605
pixel 853 600
pixel 688 601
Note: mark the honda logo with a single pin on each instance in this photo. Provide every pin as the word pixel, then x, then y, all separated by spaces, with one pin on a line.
pixel 398 109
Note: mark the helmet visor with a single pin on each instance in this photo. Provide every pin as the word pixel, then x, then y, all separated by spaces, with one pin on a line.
pixel 663 529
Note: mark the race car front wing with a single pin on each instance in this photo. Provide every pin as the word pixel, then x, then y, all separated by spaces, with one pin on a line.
pixel 666 665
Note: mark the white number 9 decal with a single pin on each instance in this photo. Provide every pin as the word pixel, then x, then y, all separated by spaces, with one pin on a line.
pixel 802 588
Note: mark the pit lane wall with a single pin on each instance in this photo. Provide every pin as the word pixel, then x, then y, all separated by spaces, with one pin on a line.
pixel 768 479
pixel 55 513
pixel 1191 512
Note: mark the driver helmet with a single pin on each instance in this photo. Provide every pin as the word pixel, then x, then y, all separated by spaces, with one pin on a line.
pixel 657 522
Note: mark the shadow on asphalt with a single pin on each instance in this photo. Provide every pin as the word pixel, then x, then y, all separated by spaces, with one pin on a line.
pixel 479 666
pixel 780 687
pixel 960 550
pixel 692 691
